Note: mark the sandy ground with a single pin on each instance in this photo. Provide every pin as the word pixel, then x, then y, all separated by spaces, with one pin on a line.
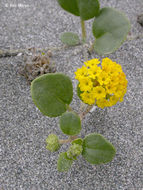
pixel 25 163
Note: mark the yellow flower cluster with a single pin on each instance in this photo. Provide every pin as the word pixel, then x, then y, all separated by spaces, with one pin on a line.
pixel 103 86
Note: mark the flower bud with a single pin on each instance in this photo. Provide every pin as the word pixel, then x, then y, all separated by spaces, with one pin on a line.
pixel 74 151
pixel 52 143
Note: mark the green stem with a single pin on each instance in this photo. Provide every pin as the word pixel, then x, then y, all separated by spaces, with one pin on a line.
pixel 83 113
pixel 70 139
pixel 83 30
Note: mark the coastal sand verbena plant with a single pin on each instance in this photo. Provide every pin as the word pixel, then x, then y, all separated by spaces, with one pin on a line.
pixel 102 85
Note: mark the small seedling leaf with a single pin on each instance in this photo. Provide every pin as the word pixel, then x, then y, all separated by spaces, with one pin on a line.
pixel 110 29
pixel 77 141
pixel 97 150
pixel 51 92
pixel 70 123
pixel 70 38
pixel 64 163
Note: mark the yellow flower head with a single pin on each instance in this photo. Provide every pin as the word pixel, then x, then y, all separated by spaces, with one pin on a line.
pixel 103 85
pixel 88 98
pixel 99 92
pixel 95 71
pixel 92 63
pixel 85 84
pixel 104 78
pixel 81 72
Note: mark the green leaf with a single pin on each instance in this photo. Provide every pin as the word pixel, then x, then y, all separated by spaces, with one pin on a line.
pixel 64 163
pixel 110 29
pixel 70 6
pixel 52 142
pixel 97 150
pixel 51 92
pixel 86 9
pixel 70 38
pixel 77 141
pixel 70 123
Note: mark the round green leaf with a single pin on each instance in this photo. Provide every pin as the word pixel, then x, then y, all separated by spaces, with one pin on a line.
pixel 70 123
pixel 97 150
pixel 70 6
pixel 51 92
pixel 86 9
pixel 110 29
pixel 70 38
pixel 64 163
